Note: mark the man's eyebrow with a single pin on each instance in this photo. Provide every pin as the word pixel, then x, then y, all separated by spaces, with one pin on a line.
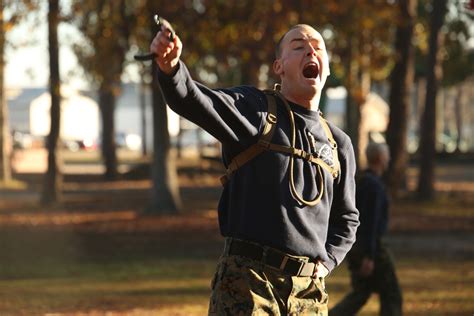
pixel 298 39
pixel 301 39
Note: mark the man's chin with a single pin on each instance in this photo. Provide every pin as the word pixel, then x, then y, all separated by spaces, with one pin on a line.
pixel 316 82
pixel 313 85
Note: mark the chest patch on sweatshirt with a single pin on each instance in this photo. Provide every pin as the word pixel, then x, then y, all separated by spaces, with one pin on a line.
pixel 325 153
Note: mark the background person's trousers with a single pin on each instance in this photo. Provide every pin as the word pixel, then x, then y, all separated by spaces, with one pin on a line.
pixel 382 281
pixel 244 287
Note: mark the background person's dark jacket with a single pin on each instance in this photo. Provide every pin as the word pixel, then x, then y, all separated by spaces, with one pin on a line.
pixel 373 205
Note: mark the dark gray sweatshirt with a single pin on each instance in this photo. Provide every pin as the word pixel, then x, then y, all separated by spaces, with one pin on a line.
pixel 257 204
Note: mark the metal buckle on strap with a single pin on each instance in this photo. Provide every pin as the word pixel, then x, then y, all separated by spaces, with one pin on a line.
pixel 302 264
pixel 305 155
pixel 283 263
pixel 271 118
pixel 270 257
pixel 302 154
pixel 307 269
pixel 298 270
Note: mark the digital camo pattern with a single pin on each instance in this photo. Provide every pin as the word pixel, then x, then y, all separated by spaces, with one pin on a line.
pixel 244 287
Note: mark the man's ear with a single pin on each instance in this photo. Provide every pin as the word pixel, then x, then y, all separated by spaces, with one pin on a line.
pixel 278 67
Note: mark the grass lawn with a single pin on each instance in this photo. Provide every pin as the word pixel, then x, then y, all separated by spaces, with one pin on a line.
pixel 95 254
pixel 68 272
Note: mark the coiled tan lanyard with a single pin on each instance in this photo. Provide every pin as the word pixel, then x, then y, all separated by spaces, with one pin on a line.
pixel 319 171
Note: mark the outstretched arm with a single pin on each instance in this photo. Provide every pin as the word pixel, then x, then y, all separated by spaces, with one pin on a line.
pixel 233 116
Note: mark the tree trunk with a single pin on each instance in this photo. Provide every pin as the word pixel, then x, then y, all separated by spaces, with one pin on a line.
pixel 458 112
pixel 250 72
pixel 5 140
pixel 53 177
pixel 165 196
pixel 401 82
pixel 107 106
pixel 428 123
pixel 352 102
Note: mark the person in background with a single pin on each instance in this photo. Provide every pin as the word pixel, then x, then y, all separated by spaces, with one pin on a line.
pixel 370 264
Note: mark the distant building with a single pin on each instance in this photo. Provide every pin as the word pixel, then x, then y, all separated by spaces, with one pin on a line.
pixel 29 112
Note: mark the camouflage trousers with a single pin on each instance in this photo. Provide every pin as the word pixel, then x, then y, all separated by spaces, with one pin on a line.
pixel 243 286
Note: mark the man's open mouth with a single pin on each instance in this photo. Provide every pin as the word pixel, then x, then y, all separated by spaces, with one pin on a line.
pixel 311 71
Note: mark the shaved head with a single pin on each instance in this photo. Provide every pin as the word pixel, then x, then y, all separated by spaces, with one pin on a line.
pixel 302 64
pixel 278 45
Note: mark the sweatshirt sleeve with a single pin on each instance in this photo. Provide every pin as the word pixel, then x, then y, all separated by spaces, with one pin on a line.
pixel 344 216
pixel 233 116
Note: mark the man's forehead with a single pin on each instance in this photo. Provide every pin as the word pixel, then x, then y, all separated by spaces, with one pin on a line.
pixel 303 32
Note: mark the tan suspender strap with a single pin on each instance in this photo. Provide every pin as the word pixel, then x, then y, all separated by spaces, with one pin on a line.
pixel 257 148
pixel 319 172
pixel 264 144
pixel 336 166
pixel 303 155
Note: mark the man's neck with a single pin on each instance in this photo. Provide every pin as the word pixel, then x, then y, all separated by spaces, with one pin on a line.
pixel 311 104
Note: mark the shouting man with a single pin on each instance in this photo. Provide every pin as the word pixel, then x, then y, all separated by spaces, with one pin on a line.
pixel 287 210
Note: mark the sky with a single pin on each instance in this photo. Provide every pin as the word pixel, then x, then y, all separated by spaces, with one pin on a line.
pixel 27 60
pixel 27 64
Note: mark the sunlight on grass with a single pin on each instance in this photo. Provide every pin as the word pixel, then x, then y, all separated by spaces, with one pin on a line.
pixel 13 185
pixel 429 287
pixel 174 287
pixel 443 205
pixel 94 256
pixel 167 284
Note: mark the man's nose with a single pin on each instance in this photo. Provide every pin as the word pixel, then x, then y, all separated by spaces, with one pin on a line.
pixel 311 51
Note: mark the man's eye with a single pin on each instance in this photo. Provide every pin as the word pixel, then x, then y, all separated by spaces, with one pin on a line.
pixel 298 47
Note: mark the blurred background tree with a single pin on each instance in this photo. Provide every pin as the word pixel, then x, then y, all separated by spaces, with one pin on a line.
pixel 11 14
pixel 458 62
pixel 106 27
pixel 428 122
pixel 53 178
pixel 164 195
pixel 5 144
pixel 401 83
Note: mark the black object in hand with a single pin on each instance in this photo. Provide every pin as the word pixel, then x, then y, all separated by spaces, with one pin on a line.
pixel 160 22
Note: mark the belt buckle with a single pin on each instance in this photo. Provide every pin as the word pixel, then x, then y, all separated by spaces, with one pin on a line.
pixel 300 270
pixel 283 262
pixel 299 261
